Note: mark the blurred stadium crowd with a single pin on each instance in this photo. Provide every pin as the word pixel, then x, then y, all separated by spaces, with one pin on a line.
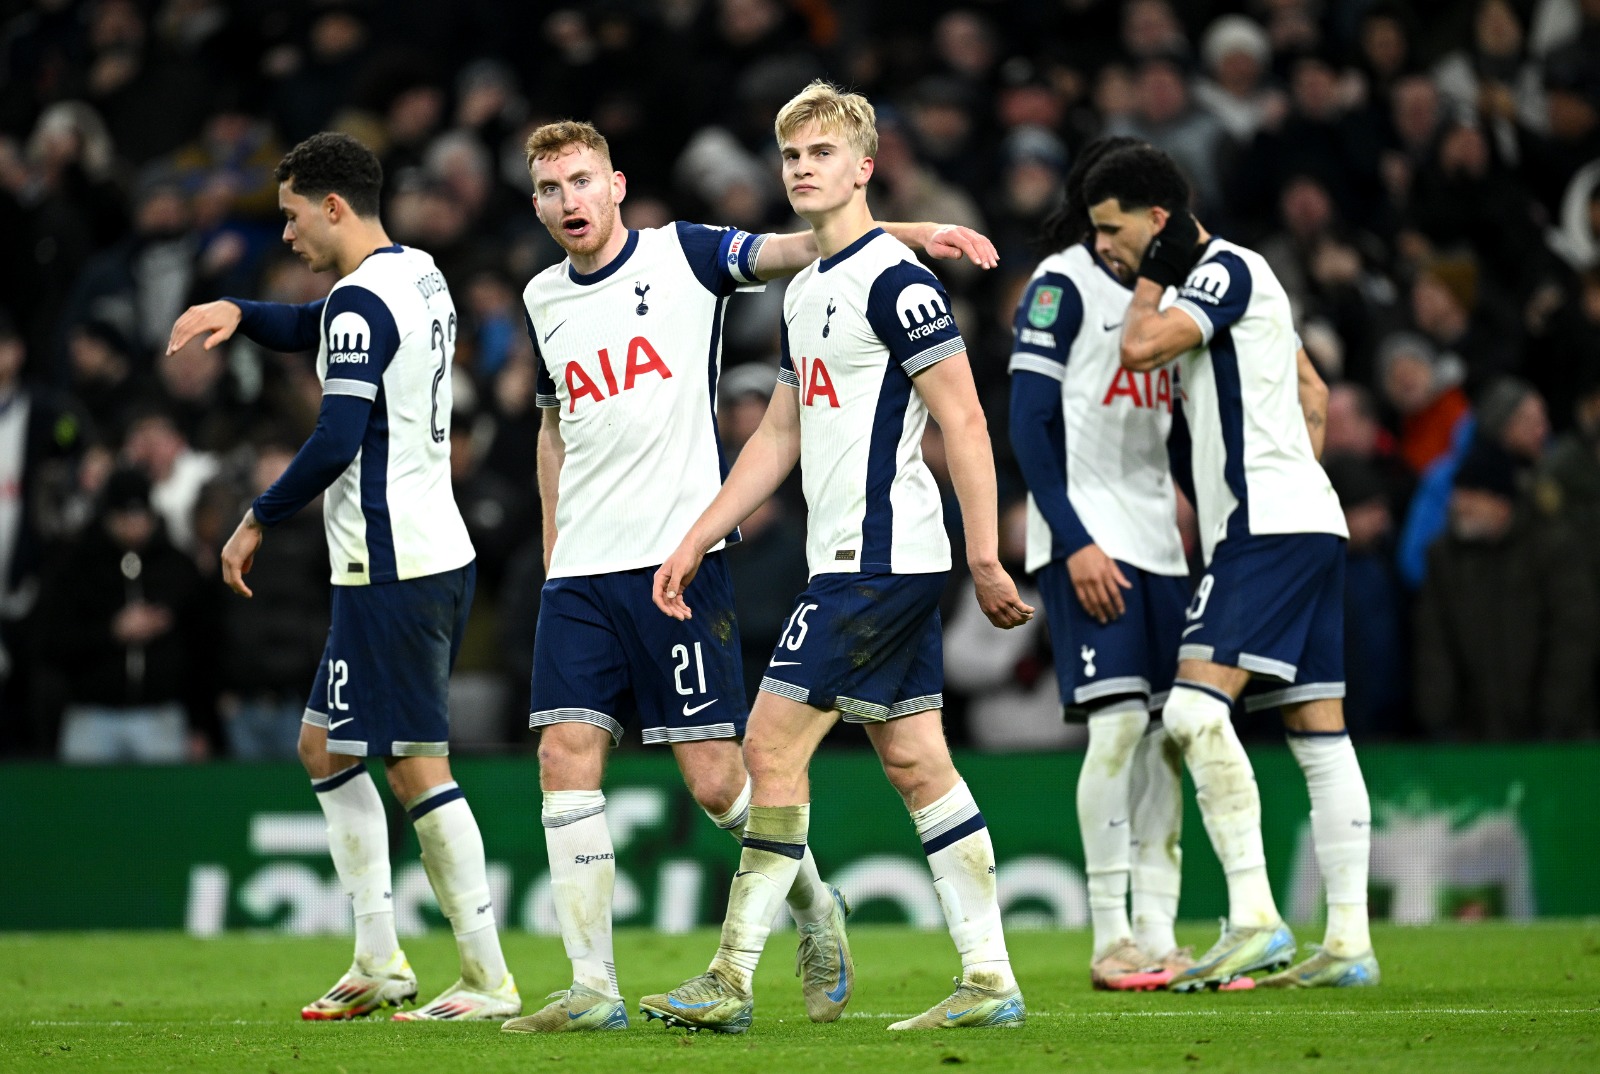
pixel 1424 177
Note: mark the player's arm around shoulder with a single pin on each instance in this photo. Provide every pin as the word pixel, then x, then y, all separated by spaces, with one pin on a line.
pixel 947 388
pixel 1151 336
pixel 785 255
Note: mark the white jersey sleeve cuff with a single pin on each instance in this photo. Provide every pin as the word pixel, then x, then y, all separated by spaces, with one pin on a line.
pixel 787 376
pixel 1198 316
pixel 918 362
pixel 361 389
pixel 547 401
pixel 1037 363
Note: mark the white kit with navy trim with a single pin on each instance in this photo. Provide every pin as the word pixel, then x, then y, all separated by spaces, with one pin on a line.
pixel 389 336
pixel 858 326
pixel 1254 470
pixel 629 356
pixel 1069 328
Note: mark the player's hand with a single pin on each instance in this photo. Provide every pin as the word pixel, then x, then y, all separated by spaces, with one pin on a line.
pixel 1172 251
pixel 219 318
pixel 953 242
pixel 239 554
pixel 1099 583
pixel 997 597
pixel 673 577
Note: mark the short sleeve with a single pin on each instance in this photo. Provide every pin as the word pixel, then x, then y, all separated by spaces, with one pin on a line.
pixel 1046 323
pixel 544 388
pixel 1216 293
pixel 723 258
pixel 786 373
pixel 909 311
pixel 362 339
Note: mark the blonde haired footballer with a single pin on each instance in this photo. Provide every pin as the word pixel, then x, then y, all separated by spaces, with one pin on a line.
pixel 626 335
pixel 870 349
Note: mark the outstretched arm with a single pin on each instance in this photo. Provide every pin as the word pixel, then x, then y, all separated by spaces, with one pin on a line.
pixel 762 465
pixel 278 326
pixel 785 255
pixel 947 388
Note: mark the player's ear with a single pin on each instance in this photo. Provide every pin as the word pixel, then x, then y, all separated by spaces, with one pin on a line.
pixel 864 173
pixel 334 208
pixel 619 187
pixel 1158 217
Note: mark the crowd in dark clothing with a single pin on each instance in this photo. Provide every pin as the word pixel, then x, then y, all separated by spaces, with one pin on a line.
pixel 1423 176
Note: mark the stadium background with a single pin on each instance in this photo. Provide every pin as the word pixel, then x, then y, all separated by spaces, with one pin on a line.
pixel 1425 178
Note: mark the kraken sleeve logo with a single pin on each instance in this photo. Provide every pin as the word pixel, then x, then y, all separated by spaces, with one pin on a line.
pixel 349 338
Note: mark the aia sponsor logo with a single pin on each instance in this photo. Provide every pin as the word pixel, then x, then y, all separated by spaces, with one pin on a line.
pixel 816 386
pixel 642 360
pixel 1150 390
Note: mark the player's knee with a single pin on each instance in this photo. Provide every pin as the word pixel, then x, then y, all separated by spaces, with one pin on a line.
pixel 915 773
pixel 770 767
pixel 313 750
pixel 1115 730
pixel 716 790
pixel 1191 712
pixel 570 758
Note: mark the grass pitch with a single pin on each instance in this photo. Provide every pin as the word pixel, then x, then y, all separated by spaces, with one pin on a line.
pixel 1484 997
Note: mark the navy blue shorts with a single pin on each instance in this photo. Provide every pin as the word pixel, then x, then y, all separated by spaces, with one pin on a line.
pixel 384 685
pixel 600 635
pixel 1134 656
pixel 1273 605
pixel 869 645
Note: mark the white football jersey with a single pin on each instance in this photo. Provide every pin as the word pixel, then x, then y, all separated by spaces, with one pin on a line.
pixel 630 356
pixel 1069 328
pixel 1254 472
pixel 389 336
pixel 857 327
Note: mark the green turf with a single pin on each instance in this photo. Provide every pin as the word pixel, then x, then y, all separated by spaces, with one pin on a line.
pixel 1485 997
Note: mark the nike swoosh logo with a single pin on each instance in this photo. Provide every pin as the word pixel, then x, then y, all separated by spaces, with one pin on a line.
pixel 782 663
pixel 690 1006
pixel 1116 823
pixel 336 724
pixel 1109 327
pixel 553 331
pixel 1190 630
pixel 748 872
pixel 687 711
pixel 837 992
pixel 953 1015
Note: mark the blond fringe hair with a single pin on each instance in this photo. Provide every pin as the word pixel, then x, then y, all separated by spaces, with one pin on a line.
pixel 849 115
pixel 549 140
